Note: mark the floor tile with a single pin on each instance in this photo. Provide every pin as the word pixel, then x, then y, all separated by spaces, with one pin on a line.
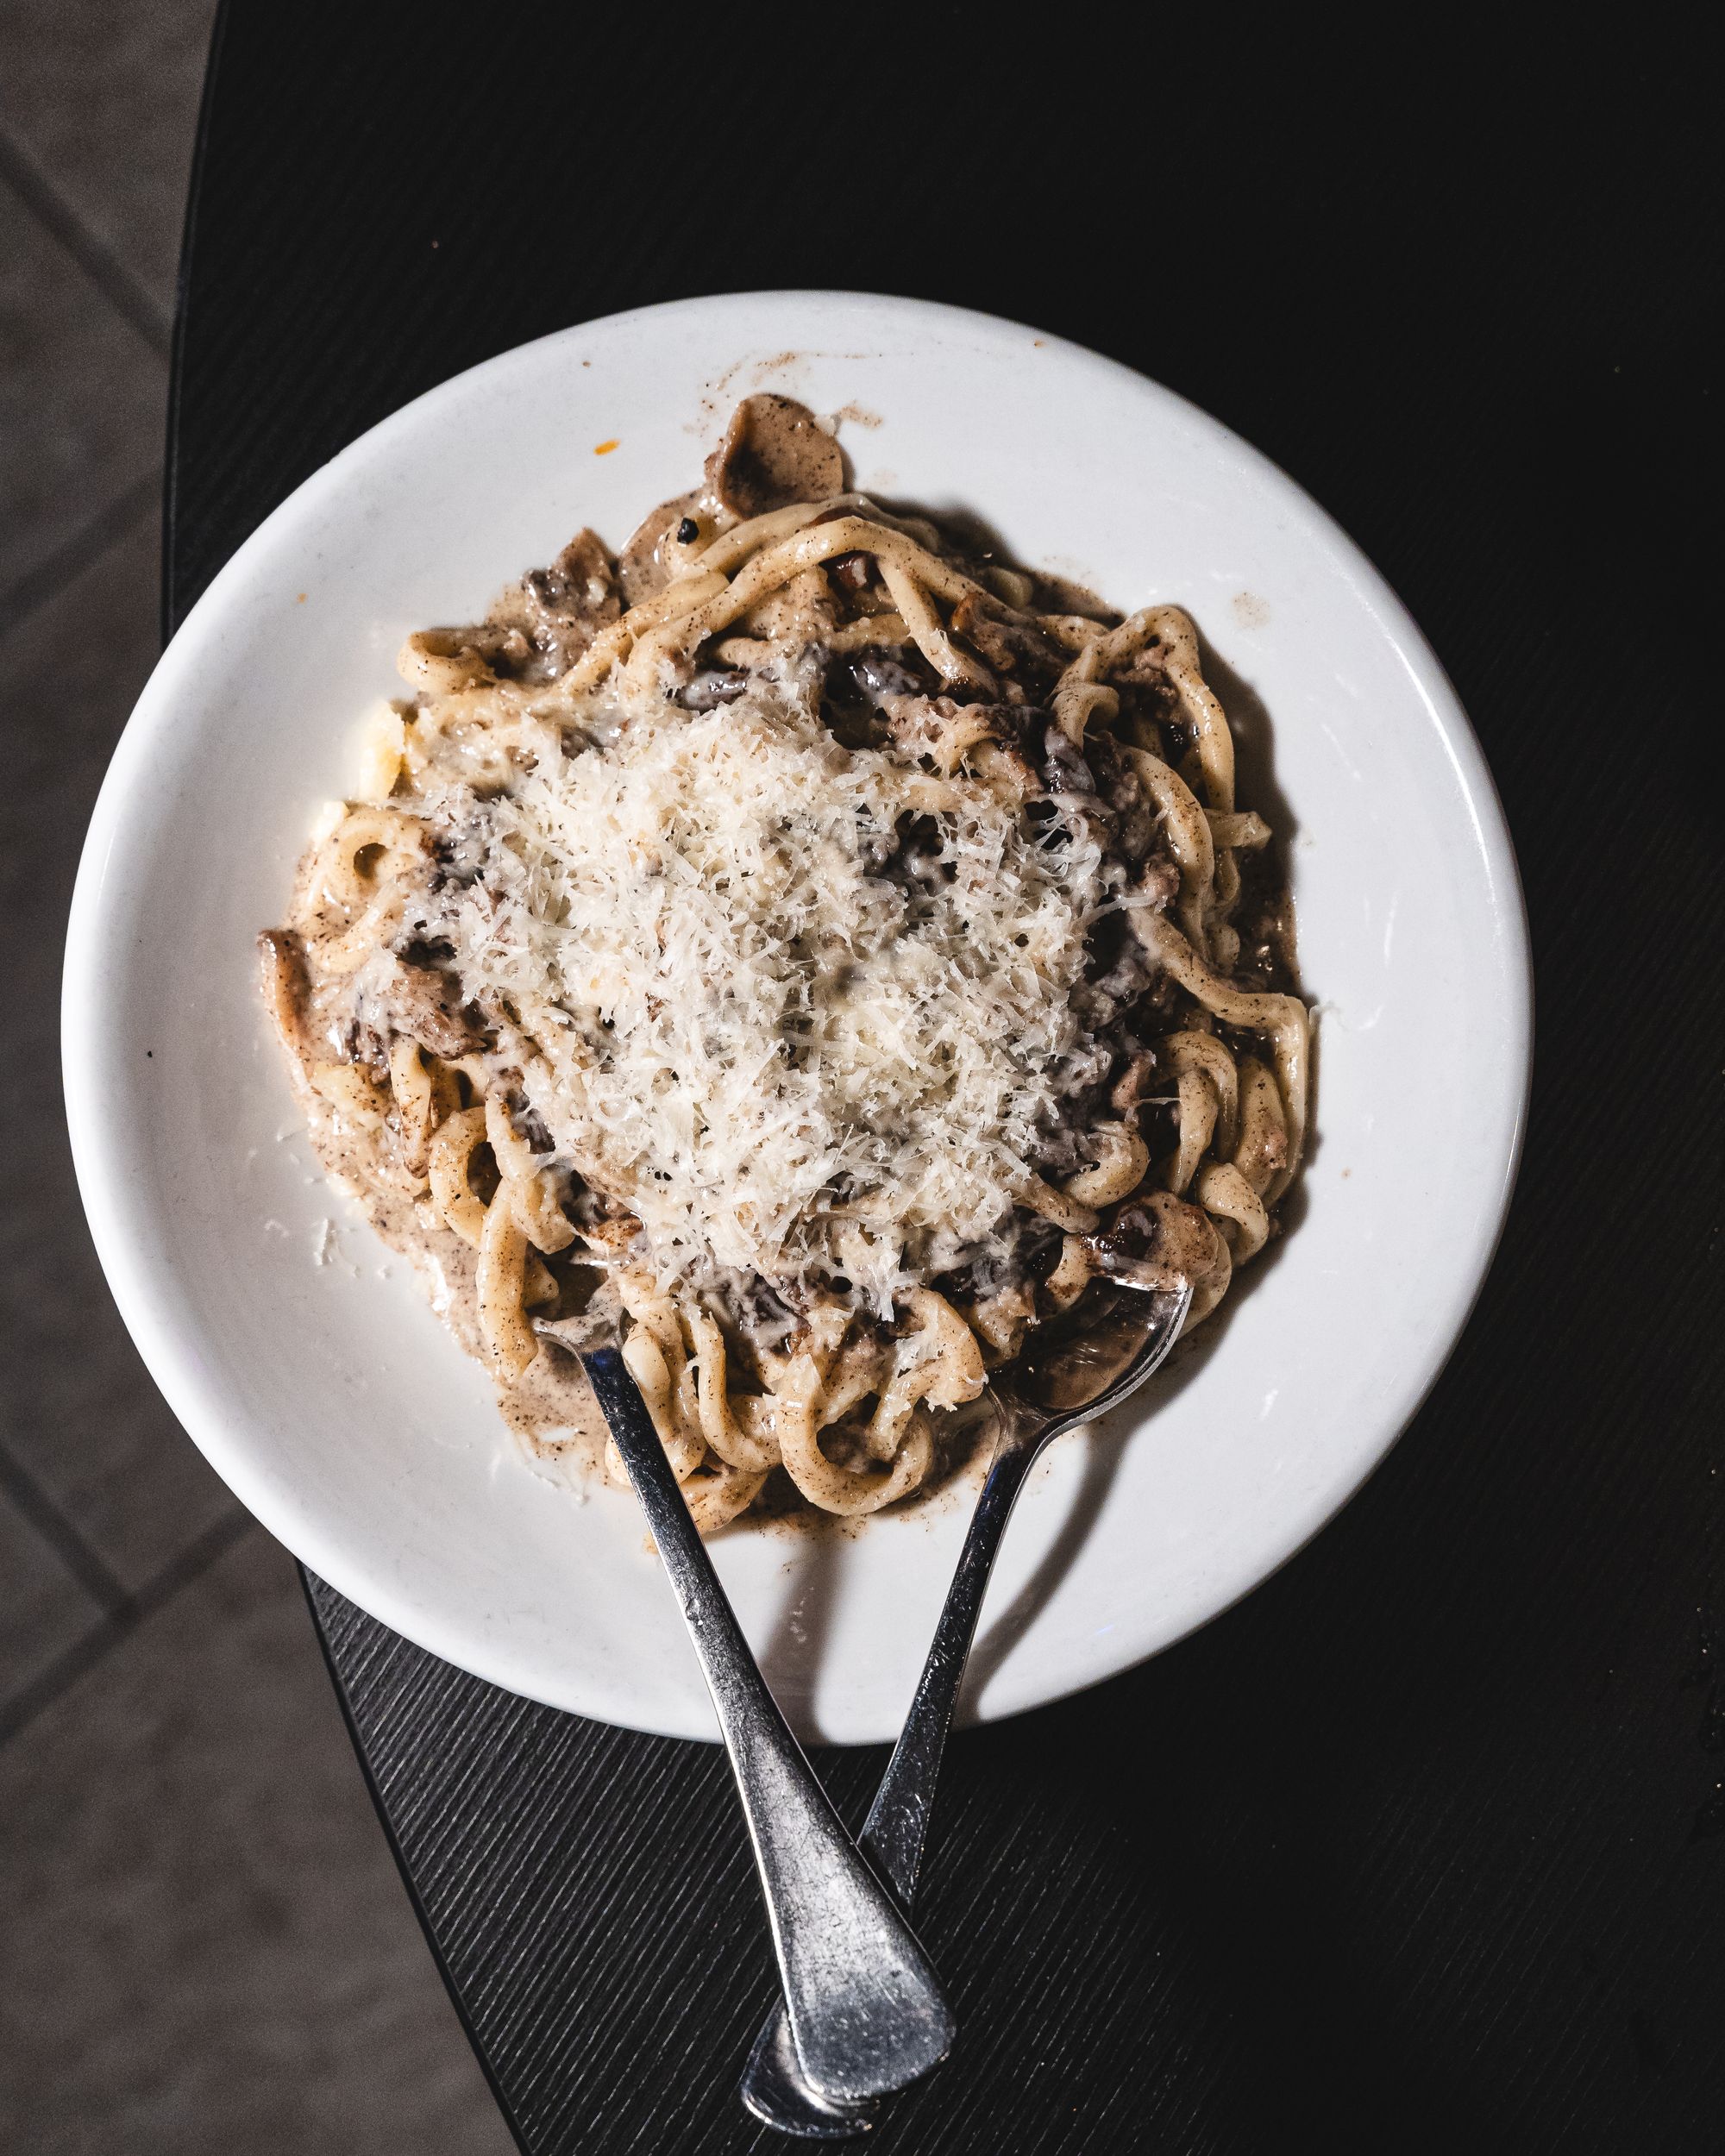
pixel 103 99
pixel 205 1945
pixel 83 397
pixel 78 1411
pixel 43 1609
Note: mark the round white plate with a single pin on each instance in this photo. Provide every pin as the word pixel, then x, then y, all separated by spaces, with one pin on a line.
pixel 298 1353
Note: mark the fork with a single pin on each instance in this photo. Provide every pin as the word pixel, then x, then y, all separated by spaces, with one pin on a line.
pixel 1044 1394
pixel 866 2015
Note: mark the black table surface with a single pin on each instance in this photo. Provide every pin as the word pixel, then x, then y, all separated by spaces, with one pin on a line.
pixel 1423 1846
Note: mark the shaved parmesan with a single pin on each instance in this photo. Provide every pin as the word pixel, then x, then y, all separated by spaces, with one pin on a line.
pixel 800 1022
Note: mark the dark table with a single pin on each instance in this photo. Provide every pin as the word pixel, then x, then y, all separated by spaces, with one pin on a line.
pixel 1423 1847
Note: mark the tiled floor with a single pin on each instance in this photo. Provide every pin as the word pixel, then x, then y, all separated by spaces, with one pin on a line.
pixel 204 1945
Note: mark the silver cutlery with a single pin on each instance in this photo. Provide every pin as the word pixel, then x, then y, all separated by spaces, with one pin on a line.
pixel 862 2009
pixel 1048 1391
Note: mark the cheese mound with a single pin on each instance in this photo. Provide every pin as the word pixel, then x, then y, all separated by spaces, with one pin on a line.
pixel 802 1008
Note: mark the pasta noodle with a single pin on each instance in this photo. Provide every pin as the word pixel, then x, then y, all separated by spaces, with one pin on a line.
pixel 808 952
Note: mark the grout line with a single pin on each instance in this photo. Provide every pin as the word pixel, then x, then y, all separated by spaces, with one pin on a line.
pixel 68 1667
pixel 98 260
pixel 101 1583
pixel 25 593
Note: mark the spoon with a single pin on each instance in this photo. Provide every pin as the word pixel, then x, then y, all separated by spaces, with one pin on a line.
pixel 1054 1386
pixel 863 2007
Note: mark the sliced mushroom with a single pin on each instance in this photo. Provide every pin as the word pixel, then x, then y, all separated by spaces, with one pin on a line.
pixel 425 1004
pixel 713 687
pixel 641 568
pixel 1065 770
pixel 282 966
pixel 1009 646
pixel 560 610
pixel 1158 1241
pixel 774 453
pixel 880 673
pixel 616 1236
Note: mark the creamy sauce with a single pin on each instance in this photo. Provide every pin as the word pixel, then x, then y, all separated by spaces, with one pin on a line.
pixel 550 1409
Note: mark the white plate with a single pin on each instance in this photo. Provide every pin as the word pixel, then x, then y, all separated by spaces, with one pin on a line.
pixel 327 1395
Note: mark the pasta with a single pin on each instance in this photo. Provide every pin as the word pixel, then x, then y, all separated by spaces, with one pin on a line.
pixel 808 951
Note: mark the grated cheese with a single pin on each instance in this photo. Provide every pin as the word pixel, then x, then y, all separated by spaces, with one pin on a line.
pixel 744 1016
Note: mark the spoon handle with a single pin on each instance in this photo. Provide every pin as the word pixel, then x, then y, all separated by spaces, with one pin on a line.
pixel 896 1829
pixel 897 1826
pixel 865 2008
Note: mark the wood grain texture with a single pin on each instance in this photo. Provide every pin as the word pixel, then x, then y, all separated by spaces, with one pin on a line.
pixel 1423 1847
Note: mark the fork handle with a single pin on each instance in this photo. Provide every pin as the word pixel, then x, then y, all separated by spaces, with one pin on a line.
pixel 866 2012
pixel 896 1829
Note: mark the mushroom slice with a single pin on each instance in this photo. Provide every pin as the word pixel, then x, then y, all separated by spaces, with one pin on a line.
pixel 286 991
pixel 559 609
pixel 1010 644
pixel 1158 1242
pixel 424 1002
pixel 642 568
pixel 775 452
